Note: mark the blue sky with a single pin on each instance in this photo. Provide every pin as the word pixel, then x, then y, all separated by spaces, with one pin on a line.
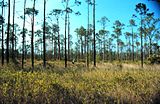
pixel 113 9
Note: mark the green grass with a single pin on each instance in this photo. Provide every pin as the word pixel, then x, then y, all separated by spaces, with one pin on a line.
pixel 99 85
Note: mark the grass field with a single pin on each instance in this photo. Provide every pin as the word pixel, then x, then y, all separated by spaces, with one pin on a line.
pixel 108 83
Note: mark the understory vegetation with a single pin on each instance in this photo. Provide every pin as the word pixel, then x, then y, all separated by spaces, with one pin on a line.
pixel 112 83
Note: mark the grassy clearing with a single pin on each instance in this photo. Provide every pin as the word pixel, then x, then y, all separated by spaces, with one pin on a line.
pixel 108 83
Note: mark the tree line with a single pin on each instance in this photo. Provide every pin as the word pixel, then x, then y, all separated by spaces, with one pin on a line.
pixel 143 34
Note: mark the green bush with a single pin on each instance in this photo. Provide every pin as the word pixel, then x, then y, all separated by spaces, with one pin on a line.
pixel 154 59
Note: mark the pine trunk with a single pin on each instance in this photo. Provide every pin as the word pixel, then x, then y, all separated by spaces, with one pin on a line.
pixel 2 36
pixel 94 33
pixel 23 36
pixel 44 37
pixel 32 37
pixel 8 32
pixel 13 35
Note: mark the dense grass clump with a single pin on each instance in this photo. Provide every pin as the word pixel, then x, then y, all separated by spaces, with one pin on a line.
pixel 98 85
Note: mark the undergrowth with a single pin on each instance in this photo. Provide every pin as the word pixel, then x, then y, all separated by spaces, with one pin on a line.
pixel 79 86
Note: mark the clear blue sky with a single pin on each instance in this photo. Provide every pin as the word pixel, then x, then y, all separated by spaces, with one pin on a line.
pixel 113 9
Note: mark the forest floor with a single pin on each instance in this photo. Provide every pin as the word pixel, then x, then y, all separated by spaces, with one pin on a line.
pixel 107 83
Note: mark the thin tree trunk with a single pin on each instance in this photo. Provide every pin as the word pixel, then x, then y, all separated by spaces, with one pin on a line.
pixel 13 36
pixel 145 53
pixel 104 49
pixel 85 47
pixel 25 50
pixel 130 49
pixel 62 50
pixel 15 42
pixel 32 38
pixel 94 33
pixel 132 45
pixel 87 39
pixel 59 49
pixel 137 53
pixel 8 32
pixel 141 45
pixel 68 38
pixel 44 37
pixel 55 51
pixel 52 47
pixel 2 36
pixel 41 50
pixel 23 37
pixel 65 38
pixel 101 54
pixel 150 46
pixel 117 49
pixel 81 47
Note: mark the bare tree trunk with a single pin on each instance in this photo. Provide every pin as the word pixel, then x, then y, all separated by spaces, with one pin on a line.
pixel 137 53
pixel 15 41
pixel 62 50
pixel 13 36
pixel 85 47
pixel 87 40
pixel 8 32
pixel 117 50
pixel 65 40
pixel 41 50
pixel 68 38
pixel 55 50
pixel 52 47
pixel 81 47
pixel 2 36
pixel 44 36
pixel 130 56
pixel 94 37
pixel 59 49
pixel 141 45
pixel 104 49
pixel 150 46
pixel 23 36
pixel 132 45
pixel 32 38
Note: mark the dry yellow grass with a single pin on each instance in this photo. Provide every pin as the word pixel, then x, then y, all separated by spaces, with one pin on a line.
pixel 107 83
